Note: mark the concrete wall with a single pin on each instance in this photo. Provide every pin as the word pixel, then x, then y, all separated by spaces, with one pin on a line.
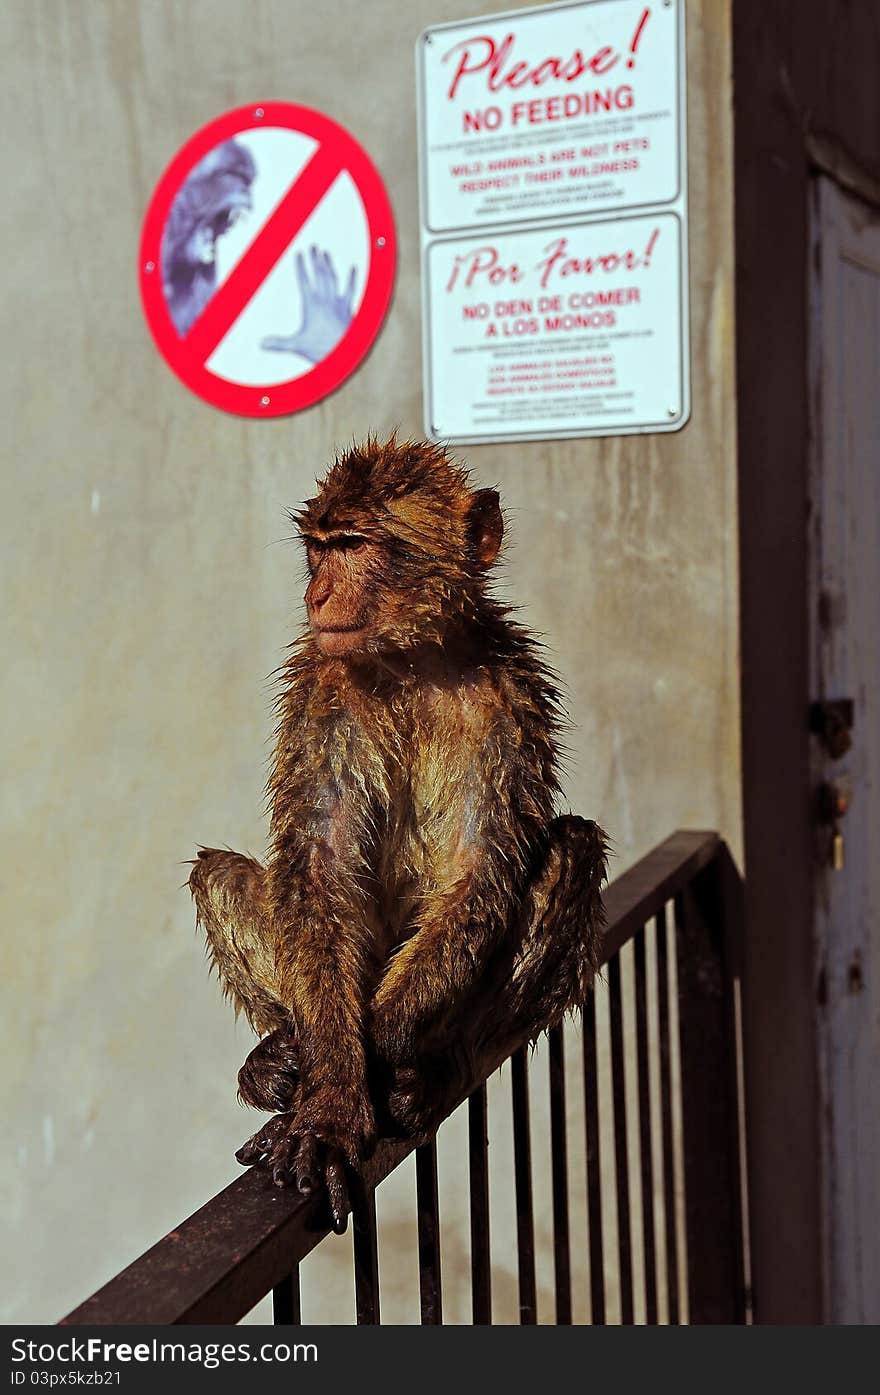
pixel 148 591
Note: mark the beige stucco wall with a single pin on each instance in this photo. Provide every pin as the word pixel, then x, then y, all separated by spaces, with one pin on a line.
pixel 146 601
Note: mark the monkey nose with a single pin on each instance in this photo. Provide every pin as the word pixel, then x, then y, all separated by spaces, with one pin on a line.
pixel 315 599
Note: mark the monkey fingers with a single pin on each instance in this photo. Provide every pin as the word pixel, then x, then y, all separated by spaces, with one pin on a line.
pixel 281 1158
pixel 297 1156
pixel 316 1162
pixel 278 1147
pixel 306 1169
pixel 270 1075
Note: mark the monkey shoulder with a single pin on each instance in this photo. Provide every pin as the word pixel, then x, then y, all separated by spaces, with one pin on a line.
pixel 326 748
pixel 527 688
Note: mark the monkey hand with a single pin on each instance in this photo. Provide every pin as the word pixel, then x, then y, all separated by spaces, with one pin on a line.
pixel 419 1094
pixel 269 1078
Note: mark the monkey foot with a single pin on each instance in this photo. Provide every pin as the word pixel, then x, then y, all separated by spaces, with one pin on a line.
pixel 421 1094
pixel 295 1156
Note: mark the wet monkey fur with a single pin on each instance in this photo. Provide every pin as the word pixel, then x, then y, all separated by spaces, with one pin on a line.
pixel 422 903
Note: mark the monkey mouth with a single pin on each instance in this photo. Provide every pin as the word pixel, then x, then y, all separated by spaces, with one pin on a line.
pixel 339 639
pixel 339 629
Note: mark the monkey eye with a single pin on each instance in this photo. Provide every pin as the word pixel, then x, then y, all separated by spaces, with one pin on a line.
pixel 345 542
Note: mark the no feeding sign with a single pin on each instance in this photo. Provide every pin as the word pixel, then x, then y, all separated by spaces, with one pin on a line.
pixel 267 259
pixel 553 199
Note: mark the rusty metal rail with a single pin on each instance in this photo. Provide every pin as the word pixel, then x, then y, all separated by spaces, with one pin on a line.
pixel 249 1240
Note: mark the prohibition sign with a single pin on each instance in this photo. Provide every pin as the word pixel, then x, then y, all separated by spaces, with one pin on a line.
pixel 195 341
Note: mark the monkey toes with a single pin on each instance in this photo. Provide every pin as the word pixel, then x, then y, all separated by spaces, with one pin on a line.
pixel 295 1156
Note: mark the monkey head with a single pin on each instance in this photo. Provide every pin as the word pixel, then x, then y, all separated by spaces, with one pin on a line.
pixel 398 547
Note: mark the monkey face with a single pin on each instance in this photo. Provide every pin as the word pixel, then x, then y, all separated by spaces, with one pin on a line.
pixel 398 547
pixel 201 246
pixel 341 598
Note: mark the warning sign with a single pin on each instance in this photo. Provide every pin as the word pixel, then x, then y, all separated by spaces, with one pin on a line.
pixel 553 197
pixel 542 113
pixel 267 259
pixel 556 332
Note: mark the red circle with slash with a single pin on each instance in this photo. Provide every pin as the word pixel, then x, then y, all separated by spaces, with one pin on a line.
pixel 336 152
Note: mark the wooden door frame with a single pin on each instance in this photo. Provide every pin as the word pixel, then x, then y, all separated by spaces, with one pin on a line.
pixel 845 242
pixel 805 94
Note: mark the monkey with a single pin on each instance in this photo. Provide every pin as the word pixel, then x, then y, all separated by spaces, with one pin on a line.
pixel 422 903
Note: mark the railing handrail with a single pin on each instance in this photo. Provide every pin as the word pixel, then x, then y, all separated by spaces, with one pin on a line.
pixel 235 1249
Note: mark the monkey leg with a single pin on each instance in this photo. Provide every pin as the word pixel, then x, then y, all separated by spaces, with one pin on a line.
pixel 544 968
pixel 229 891
pixel 559 942
pixel 230 898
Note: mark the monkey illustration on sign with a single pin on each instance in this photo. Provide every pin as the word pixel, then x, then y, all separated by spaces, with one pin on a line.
pixel 422 903
pixel 216 194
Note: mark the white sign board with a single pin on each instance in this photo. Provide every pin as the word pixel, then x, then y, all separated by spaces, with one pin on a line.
pixel 554 222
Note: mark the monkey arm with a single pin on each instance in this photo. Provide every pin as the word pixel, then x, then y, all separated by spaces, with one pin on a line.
pixel 457 929
pixel 433 970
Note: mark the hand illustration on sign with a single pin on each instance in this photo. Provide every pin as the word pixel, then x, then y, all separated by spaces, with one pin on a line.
pixel 326 313
pixel 213 197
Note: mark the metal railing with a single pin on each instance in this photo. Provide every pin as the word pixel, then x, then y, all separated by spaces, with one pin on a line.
pixel 679 908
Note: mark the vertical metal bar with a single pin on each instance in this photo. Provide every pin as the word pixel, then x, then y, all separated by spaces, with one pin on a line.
pixel 594 1176
pixel 731 911
pixel 522 1158
pixel 285 1301
pixel 481 1267
pixel 710 1143
pixel 429 1234
pixel 621 1161
pixel 645 1150
pixel 666 1119
pixel 366 1257
pixel 559 1156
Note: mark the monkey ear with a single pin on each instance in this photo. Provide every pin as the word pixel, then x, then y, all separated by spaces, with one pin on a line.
pixel 485 526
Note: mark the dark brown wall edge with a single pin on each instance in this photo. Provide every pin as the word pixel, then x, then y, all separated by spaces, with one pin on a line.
pixel 797 68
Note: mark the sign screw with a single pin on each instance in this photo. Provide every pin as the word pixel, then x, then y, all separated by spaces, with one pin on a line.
pixel 673 411
pixel 380 242
pixel 259 113
pixel 264 401
pixel 150 266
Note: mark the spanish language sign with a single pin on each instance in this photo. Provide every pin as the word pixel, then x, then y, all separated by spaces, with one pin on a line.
pixel 554 222
pixel 267 259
